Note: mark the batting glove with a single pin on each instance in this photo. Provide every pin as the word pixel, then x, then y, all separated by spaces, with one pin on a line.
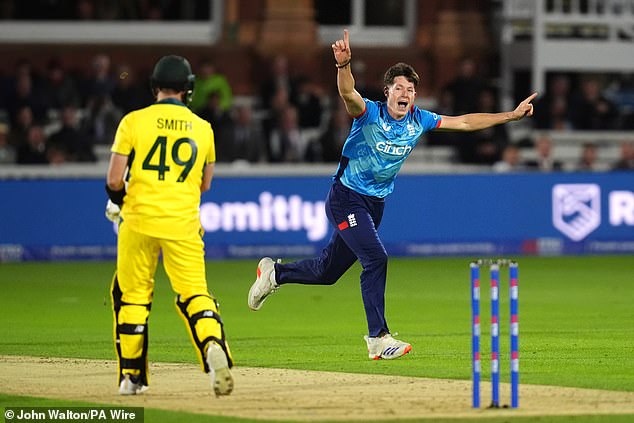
pixel 112 211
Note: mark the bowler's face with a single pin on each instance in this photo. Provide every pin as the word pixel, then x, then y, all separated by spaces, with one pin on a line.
pixel 400 97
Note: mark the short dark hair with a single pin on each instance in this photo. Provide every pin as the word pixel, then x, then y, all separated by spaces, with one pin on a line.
pixel 401 69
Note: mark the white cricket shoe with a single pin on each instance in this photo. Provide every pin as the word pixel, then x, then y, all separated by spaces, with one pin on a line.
pixel 264 284
pixel 130 385
pixel 221 377
pixel 386 347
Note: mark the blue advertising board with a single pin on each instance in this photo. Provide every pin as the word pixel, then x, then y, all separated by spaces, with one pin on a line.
pixel 474 215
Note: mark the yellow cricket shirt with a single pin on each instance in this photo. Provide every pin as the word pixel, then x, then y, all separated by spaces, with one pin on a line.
pixel 169 146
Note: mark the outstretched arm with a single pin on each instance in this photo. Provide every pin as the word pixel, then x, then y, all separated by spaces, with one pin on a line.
pixel 476 121
pixel 345 81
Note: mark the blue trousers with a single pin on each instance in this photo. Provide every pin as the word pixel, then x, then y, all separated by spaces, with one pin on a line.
pixel 355 218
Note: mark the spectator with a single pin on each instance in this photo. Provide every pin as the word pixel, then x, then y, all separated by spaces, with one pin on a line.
pixel 287 143
pixel 23 67
pixel 59 88
pixel 55 155
pixel 209 81
pixel 34 150
pixel 100 81
pixel 335 136
pixel 128 94
pixel 279 103
pixel 366 88
pixel 445 107
pixel 445 102
pixel 7 83
pixel 551 111
pixel 245 141
pixel 23 93
pixel 591 110
pixel 7 152
pixel 308 103
pixel 559 115
pixel 484 146
pixel 544 160
pixel 510 161
pixel 102 119
pixel 279 80
pixel 19 131
pixel 626 91
pixel 626 159
pixel 213 113
pixel 465 88
pixel 221 123
pixel 70 141
pixel 589 158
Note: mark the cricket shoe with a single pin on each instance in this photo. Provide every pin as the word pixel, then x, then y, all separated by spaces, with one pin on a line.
pixel 131 385
pixel 264 284
pixel 386 347
pixel 221 377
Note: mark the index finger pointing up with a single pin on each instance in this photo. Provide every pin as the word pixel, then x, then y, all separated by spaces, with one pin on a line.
pixel 346 38
pixel 531 97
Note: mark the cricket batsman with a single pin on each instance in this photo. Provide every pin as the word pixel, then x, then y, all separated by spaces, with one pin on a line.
pixel 162 160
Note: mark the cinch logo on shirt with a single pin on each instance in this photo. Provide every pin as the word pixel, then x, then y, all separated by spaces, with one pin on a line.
pixel 393 149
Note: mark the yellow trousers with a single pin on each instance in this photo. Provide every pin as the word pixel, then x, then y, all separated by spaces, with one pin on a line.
pixel 133 289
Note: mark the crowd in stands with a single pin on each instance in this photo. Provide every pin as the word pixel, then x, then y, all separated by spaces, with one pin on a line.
pixel 545 161
pixel 55 115
pixel 51 116
pixel 586 103
pixel 52 10
pixel 571 102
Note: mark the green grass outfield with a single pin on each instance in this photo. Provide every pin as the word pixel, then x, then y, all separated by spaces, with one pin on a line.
pixel 576 321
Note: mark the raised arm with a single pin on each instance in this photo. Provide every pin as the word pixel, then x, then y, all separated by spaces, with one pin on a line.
pixel 477 121
pixel 345 81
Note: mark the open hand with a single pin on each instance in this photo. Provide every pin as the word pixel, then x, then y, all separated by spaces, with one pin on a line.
pixel 525 108
pixel 341 49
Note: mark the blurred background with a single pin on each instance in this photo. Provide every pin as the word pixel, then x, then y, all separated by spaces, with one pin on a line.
pixel 266 81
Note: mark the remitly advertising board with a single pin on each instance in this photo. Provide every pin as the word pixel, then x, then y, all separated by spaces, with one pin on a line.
pixel 467 215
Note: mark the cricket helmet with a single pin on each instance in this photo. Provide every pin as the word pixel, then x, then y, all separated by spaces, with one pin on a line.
pixel 173 72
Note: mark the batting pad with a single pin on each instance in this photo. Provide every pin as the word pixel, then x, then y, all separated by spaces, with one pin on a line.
pixel 202 318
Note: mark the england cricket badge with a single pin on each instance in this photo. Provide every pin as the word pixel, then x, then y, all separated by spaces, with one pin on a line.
pixel 576 209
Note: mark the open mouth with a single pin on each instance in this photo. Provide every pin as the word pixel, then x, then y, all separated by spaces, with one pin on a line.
pixel 402 105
